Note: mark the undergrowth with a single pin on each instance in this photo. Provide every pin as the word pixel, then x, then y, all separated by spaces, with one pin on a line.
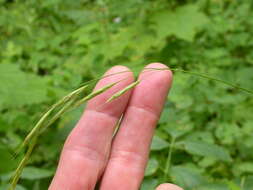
pixel 50 47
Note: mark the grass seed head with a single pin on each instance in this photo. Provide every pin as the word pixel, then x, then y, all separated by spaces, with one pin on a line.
pixel 123 91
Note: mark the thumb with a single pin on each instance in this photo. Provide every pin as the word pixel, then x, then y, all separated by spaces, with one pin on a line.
pixel 168 186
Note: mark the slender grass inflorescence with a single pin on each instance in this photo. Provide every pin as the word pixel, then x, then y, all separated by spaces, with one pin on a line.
pixel 71 101
pixel 66 103
pixel 123 91
pixel 34 140
pixel 22 164
pixel 42 120
pixel 95 93
pixel 63 110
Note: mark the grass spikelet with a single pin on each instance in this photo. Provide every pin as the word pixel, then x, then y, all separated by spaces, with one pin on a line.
pixel 121 92
pixel 22 164
pixel 37 127
pixel 63 110
pixel 67 104
pixel 42 120
pixel 95 93
pixel 33 142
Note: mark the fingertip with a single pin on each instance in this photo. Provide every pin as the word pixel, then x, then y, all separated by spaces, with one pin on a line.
pixel 115 74
pixel 119 69
pixel 156 65
pixel 123 76
pixel 168 186
pixel 163 70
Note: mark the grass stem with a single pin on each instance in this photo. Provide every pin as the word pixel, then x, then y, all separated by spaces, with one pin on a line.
pixel 168 161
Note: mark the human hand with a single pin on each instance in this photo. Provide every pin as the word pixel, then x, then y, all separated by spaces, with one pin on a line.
pixel 91 154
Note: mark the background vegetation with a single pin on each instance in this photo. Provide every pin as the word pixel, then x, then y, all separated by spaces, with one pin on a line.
pixel 49 47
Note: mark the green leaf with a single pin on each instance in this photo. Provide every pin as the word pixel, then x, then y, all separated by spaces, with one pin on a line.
pixel 149 184
pixel 19 187
pixel 183 22
pixel 7 162
pixel 245 167
pixel 186 177
pixel 158 143
pixel 248 184
pixel 33 173
pixel 18 88
pixel 233 186
pixel 151 167
pixel 213 186
pixel 201 148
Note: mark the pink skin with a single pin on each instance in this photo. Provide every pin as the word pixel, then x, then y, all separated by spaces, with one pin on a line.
pixel 90 154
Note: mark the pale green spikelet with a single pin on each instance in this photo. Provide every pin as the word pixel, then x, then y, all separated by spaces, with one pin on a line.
pixel 118 94
pixel 63 110
pixel 22 164
pixel 95 93
pixel 40 123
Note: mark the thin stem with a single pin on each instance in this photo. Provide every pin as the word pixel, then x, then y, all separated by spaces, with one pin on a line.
pixel 22 164
pixel 123 91
pixel 242 182
pixel 62 111
pixel 207 77
pixel 168 161
pixel 95 93
pixel 31 146
pixel 105 22
pixel 42 120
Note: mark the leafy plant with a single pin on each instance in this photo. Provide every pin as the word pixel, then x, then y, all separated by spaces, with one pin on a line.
pixel 48 48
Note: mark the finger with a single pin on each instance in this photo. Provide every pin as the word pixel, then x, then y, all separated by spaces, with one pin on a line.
pixel 130 147
pixel 86 149
pixel 168 186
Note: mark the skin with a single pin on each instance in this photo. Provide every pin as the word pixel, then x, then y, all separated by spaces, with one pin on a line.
pixel 91 154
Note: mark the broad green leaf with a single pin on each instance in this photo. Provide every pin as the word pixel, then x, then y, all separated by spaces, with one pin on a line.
pixel 18 88
pixel 244 167
pixel 165 115
pixel 206 149
pixel 149 184
pixel 183 22
pixel 233 186
pixel 19 187
pixel 245 77
pixel 152 167
pixel 186 177
pixel 227 133
pixel 248 183
pixel 33 173
pixel 6 159
pixel 158 143
pixel 213 186
pixel 135 37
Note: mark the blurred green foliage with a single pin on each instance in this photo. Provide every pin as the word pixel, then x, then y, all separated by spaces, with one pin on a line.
pixel 49 47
